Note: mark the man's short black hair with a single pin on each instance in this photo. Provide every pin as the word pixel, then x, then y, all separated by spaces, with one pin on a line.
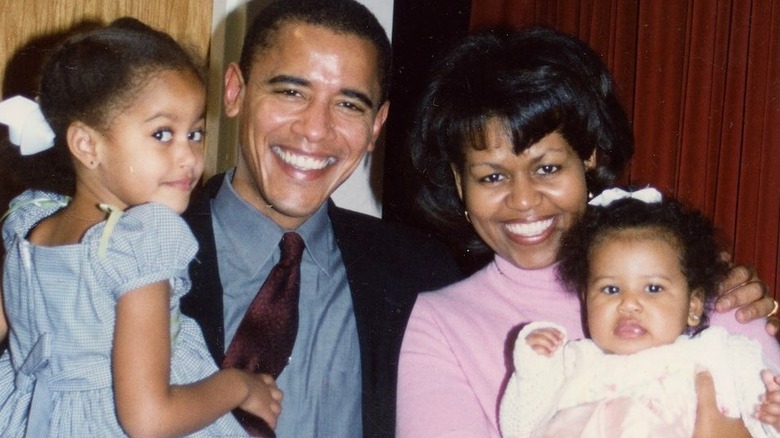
pixel 343 16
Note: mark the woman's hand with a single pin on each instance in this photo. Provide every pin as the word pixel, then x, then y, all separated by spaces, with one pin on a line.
pixel 743 290
pixel 768 411
pixel 710 422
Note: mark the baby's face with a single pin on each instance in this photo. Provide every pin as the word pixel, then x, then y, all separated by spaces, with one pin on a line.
pixel 637 295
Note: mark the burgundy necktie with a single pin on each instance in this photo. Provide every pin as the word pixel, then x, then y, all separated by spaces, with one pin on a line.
pixel 265 338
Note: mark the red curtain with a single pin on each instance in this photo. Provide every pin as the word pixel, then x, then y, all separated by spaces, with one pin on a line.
pixel 701 82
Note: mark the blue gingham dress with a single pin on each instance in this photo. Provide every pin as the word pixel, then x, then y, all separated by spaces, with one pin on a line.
pixel 55 378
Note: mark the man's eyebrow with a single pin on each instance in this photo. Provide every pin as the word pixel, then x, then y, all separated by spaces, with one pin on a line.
pixel 295 80
pixel 355 94
pixel 287 79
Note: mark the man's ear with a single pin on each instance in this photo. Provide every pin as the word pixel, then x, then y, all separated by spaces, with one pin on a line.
pixel 456 175
pixel 696 308
pixel 379 121
pixel 233 97
pixel 83 144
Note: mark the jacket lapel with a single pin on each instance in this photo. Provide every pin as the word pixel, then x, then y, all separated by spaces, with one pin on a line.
pixel 204 301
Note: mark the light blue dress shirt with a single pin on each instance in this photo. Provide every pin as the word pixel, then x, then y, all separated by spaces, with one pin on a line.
pixel 322 383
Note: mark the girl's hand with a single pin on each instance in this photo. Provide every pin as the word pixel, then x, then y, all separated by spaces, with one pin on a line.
pixel 768 411
pixel 743 289
pixel 710 422
pixel 264 399
pixel 544 341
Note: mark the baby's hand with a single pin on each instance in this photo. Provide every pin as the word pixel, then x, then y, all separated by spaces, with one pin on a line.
pixel 265 398
pixel 768 411
pixel 544 340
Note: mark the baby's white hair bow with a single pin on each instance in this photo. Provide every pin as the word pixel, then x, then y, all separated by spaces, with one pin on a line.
pixel 648 195
pixel 27 128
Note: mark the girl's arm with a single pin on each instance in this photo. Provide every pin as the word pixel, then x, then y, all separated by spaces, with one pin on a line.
pixel 3 321
pixel 538 375
pixel 147 405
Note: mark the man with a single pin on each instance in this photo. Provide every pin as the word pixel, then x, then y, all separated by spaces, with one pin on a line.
pixel 310 93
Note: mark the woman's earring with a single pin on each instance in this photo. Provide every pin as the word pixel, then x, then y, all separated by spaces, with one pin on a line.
pixel 466 214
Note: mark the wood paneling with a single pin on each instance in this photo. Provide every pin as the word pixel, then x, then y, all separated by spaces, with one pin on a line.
pixel 40 22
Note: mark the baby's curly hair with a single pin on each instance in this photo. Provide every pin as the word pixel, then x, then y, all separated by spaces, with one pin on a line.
pixel 689 232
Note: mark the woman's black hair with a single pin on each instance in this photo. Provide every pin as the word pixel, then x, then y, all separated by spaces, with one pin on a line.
pixel 689 232
pixel 536 82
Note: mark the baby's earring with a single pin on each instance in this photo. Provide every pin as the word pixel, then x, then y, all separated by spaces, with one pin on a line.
pixel 693 319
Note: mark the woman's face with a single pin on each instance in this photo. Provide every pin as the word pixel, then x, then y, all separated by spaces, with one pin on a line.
pixel 521 205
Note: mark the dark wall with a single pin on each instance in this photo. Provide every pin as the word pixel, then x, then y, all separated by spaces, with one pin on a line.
pixel 421 30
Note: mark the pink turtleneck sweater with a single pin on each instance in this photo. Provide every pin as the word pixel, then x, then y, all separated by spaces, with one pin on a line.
pixel 457 350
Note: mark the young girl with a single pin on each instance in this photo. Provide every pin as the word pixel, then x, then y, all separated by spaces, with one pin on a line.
pixel 647 270
pixel 91 283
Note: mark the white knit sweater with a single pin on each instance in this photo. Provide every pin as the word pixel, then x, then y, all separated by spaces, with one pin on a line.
pixel 580 391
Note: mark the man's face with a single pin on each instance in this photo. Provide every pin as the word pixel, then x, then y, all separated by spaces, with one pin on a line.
pixel 308 115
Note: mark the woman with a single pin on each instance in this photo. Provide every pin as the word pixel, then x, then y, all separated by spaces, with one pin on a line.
pixel 514 132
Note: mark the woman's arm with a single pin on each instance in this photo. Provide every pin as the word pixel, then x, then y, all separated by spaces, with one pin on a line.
pixel 147 405
pixel 435 397
pixel 744 291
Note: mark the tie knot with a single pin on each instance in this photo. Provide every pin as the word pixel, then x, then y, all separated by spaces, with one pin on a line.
pixel 292 247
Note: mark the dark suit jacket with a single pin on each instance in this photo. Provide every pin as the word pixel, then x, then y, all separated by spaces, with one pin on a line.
pixel 387 265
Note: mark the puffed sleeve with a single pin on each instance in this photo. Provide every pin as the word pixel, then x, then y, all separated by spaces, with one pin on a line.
pixel 149 243
pixel 26 210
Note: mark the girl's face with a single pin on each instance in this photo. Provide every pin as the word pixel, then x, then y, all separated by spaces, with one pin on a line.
pixel 153 149
pixel 522 204
pixel 637 296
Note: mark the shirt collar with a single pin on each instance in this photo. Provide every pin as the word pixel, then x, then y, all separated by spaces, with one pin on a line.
pixel 240 219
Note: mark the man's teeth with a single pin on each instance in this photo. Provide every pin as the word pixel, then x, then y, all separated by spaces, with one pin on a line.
pixel 529 230
pixel 303 162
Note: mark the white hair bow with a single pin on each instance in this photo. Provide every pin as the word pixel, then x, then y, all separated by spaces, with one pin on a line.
pixel 647 195
pixel 27 128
